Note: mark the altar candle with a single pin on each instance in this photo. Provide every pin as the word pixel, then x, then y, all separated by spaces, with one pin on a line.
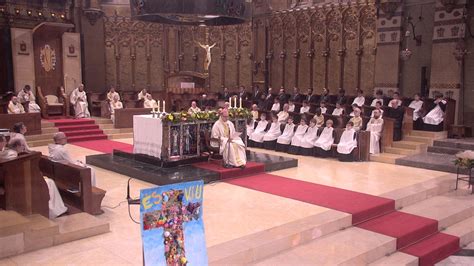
pixel 164 106
pixel 158 103
pixel 240 102
pixel 230 102
pixel 235 102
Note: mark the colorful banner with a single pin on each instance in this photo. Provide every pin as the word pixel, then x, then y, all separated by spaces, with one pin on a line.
pixel 172 227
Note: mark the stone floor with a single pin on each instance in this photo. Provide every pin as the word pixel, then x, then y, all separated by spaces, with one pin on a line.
pixel 230 212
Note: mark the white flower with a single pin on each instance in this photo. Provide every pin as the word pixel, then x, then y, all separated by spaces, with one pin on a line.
pixel 466 155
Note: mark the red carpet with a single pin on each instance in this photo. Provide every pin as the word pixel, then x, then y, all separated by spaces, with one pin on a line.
pixel 434 249
pixel 362 206
pixel 78 130
pixel 216 166
pixel 105 146
pixel 406 228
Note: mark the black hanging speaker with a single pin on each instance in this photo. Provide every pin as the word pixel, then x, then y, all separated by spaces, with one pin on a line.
pixel 192 12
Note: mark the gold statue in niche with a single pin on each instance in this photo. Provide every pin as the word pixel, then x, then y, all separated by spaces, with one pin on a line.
pixel 48 58
pixel 207 60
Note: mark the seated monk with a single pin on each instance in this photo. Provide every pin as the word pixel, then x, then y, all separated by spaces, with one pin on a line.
pixel 58 153
pixel 433 120
pixel 271 136
pixel 15 107
pixel 378 107
pixel 357 121
pixel 142 95
pixel 149 102
pixel 283 114
pixel 19 130
pixel 283 141
pixel 115 104
pixel 298 137
pixel 194 109
pixel 256 139
pixel 26 96
pixel 322 146
pixel 79 102
pixel 375 127
pixel 311 135
pixel 347 143
pixel 232 148
pixel 112 94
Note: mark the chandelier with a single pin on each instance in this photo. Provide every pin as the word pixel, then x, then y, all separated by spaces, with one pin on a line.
pixel 405 54
pixel 192 12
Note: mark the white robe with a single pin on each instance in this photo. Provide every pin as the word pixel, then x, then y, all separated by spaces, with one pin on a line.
pixel 141 96
pixel 434 117
pixel 287 135
pixel 58 153
pixel 33 107
pixel 259 131
pixel 324 110
pixel 291 108
pixel 250 128
pixel 310 137
pixel 326 139
pixel 283 116
pixel 374 102
pixel 299 135
pixel 276 107
pixel 381 113
pixel 304 109
pixel 273 133
pixel 416 105
pixel 79 102
pixel 338 111
pixel 55 203
pixel 360 100
pixel 375 126
pixel 21 137
pixel 232 148
pixel 348 142
pixel 149 103
pixel 15 108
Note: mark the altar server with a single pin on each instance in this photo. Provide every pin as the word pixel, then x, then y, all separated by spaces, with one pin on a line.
pixel 79 102
pixel 254 112
pixel 142 94
pixel 323 107
pixel 283 141
pixel 112 94
pixel 305 108
pixel 433 121
pixel 311 135
pixel 115 104
pixel 338 111
pixel 256 139
pixel 360 99
pixel 298 137
pixel 27 96
pixel 271 136
pixel 276 105
pixel 232 148
pixel 325 140
pixel 19 130
pixel 375 126
pixel 378 97
pixel 149 102
pixel 15 107
pixel 291 106
pixel 194 109
pixel 396 100
pixel 319 118
pixel 378 107
pixel 357 121
pixel 416 105
pixel 283 114
pixel 347 143
pixel 58 153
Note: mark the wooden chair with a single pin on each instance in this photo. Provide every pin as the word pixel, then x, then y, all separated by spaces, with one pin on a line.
pixel 53 104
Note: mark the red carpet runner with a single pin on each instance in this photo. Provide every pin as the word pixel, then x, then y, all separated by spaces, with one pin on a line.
pixel 251 168
pixel 105 146
pixel 79 129
pixel 417 236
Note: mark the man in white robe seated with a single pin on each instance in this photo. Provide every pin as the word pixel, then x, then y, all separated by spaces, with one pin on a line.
pixel 79 102
pixel 283 141
pixel 360 99
pixel 194 109
pixel 375 126
pixel 256 139
pixel 378 107
pixel 19 131
pixel 347 143
pixel 433 120
pixel 284 114
pixel 58 153
pixel 15 107
pixel 396 99
pixel 271 136
pixel 9 150
pixel 112 94
pixel 378 97
pixel 310 137
pixel 142 95
pixel 114 105
pixel 149 102
pixel 298 137
pixel 322 146
pixel 232 148
pixel 27 96
pixel 417 105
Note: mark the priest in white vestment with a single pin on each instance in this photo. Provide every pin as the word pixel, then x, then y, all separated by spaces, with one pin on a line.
pixel 112 94
pixel 15 107
pixel 79 102
pixel 194 109
pixel 347 143
pixel 375 126
pixel 114 105
pixel 360 99
pixel 149 102
pixel 298 137
pixel 270 137
pixel 256 137
pixel 283 141
pixel 311 135
pixel 325 140
pixel 19 131
pixel 27 96
pixel 58 153
pixel 232 148
pixel 142 95
pixel 416 105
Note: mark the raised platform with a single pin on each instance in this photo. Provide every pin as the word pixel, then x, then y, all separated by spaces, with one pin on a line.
pixel 152 170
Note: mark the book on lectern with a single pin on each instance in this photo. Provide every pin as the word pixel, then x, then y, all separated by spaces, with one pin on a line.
pixel 171 224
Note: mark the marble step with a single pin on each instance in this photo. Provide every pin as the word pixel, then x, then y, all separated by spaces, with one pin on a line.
pixel 429 134
pixel 464 144
pixel 410 145
pixel 397 258
pixel 43 136
pixel 121 136
pixel 431 161
pixel 78 226
pixel 106 126
pixel 444 150
pixel 45 123
pixel 400 151
pixel 353 246
pixel 425 140
pixel 40 234
pixel 385 157
pixel 102 121
pixel 117 130
pixel 48 130
pixel 38 143
pixel 447 209
pixel 12 223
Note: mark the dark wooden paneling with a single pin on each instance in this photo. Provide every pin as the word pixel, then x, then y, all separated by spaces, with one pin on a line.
pixel 32 122
pixel 124 117
pixel 51 80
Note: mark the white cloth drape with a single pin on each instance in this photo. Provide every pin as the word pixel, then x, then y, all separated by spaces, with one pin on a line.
pixel 287 135
pixel 259 131
pixel 348 142
pixel 326 139
pixel 299 135
pixel 147 135
pixel 273 133
pixel 55 203
pixel 310 137
pixel 434 117
pixel 416 105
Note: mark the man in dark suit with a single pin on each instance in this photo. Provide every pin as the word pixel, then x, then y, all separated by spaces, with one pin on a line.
pixel 203 102
pixel 325 96
pixel 269 99
pixel 243 93
pixel 341 97
pixel 282 97
pixel 257 94
pixel 225 95
pixel 297 97
pixel 310 97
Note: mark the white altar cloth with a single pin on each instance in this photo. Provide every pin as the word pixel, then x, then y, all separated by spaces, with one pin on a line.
pixel 147 135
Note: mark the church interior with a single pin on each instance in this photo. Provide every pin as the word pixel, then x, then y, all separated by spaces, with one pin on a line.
pixel 318 132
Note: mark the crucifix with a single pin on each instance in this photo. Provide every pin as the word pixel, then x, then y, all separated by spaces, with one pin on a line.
pixel 172 217
pixel 207 47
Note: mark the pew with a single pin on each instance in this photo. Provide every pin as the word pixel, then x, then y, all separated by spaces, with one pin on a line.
pixel 124 117
pixel 25 190
pixel 387 133
pixel 86 197
pixel 32 122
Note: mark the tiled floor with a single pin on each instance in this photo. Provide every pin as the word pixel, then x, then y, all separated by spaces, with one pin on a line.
pixel 230 212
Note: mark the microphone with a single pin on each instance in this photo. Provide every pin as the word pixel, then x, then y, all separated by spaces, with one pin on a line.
pixel 129 199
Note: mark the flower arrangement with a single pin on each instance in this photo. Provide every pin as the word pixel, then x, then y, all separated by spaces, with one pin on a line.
pixel 209 116
pixel 465 159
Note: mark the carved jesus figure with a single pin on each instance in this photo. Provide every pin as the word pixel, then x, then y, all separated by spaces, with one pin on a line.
pixel 207 61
